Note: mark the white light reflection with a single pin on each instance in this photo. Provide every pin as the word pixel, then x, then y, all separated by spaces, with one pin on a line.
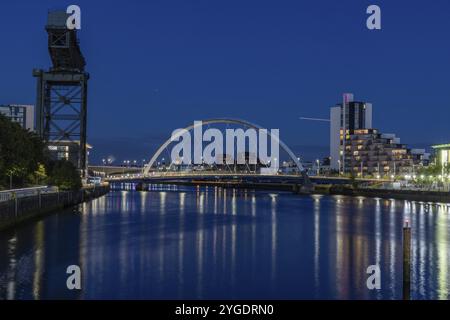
pixel 11 274
pixel 182 196
pixel 39 233
pixel 316 244
pixel 442 252
pixel 274 236
pixel 378 236
pixel 392 246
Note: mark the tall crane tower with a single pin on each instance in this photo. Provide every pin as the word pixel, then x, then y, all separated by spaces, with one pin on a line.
pixel 61 103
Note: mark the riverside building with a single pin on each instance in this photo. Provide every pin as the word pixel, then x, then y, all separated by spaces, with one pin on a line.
pixel 349 115
pixel 370 152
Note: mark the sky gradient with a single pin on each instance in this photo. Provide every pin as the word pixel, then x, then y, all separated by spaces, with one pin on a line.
pixel 159 65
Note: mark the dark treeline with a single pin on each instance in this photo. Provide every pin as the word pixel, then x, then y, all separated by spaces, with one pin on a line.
pixel 24 161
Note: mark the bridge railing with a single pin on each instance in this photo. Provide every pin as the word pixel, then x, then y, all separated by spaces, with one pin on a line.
pixel 25 192
pixel 206 173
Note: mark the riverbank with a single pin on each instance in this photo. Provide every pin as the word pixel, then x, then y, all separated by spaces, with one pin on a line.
pixel 18 210
pixel 325 189
pixel 411 195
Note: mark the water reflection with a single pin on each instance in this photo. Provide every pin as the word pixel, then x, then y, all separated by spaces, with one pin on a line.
pixel 316 244
pixel 183 242
pixel 12 264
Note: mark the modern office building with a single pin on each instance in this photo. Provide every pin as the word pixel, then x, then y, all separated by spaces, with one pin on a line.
pixel 369 152
pixel 22 114
pixel 349 115
pixel 442 153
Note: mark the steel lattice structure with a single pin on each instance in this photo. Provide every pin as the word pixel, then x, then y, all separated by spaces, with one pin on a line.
pixel 61 106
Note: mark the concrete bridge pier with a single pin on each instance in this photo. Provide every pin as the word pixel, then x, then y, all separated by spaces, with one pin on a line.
pixel 302 188
pixel 141 186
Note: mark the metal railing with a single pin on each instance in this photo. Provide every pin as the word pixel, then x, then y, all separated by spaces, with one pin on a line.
pixel 45 200
pixel 25 192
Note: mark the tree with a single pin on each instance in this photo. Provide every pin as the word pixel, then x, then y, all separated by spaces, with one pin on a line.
pixel 24 159
pixel 64 175
pixel 40 175
pixel 20 153
pixel 353 181
pixel 431 170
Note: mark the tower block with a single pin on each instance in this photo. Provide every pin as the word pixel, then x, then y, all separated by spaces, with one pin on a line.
pixel 61 106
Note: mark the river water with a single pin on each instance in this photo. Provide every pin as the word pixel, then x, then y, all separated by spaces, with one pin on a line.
pixel 175 242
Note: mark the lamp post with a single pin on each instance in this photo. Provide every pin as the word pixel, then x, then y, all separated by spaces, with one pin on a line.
pixel 394 169
pixel 318 166
pixel 362 168
pixel 339 167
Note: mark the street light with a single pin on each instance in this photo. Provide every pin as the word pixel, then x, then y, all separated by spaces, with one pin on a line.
pixel 362 168
pixel 318 166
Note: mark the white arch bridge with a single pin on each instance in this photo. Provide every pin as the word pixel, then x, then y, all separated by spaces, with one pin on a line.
pixel 148 172
pixel 244 123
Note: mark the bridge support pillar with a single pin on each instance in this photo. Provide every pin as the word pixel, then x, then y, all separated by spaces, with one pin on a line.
pixel 141 186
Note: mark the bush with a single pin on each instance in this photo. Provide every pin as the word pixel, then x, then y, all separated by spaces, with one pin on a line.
pixel 64 175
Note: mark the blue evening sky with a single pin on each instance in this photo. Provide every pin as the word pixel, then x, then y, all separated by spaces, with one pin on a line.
pixel 161 64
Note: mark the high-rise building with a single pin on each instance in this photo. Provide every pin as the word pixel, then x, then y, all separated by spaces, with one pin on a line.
pixel 22 114
pixel 349 115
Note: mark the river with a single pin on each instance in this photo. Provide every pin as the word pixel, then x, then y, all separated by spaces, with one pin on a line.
pixel 179 242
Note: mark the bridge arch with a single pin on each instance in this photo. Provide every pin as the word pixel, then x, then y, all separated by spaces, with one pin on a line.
pixel 224 121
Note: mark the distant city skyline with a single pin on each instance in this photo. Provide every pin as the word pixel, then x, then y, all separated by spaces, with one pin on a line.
pixel 157 66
